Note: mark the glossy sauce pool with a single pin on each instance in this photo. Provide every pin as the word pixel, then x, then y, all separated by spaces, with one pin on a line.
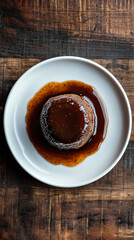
pixel 53 155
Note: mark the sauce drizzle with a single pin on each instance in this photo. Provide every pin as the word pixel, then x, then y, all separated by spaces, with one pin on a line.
pixel 55 156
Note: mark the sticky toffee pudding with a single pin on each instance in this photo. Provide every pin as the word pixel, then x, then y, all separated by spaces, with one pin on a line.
pixel 67 121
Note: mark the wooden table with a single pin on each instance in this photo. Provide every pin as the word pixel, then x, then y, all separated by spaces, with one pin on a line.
pixel 34 30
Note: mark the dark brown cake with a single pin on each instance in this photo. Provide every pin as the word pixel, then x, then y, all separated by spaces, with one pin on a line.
pixel 67 121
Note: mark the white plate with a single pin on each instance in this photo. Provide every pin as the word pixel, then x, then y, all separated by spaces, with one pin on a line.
pixel 119 128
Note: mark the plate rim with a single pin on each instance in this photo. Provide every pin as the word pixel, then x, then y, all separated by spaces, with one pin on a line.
pixel 90 62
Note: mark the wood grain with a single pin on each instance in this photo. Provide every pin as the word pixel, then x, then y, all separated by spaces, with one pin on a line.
pixel 102 210
pixel 32 210
pixel 42 29
pixel 31 31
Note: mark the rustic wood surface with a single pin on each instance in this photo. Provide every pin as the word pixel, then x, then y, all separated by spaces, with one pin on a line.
pixel 34 30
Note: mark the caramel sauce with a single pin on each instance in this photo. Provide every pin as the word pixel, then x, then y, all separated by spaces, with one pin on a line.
pixel 68 116
pixel 53 155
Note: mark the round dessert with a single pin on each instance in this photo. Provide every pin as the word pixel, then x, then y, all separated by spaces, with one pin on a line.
pixel 67 121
